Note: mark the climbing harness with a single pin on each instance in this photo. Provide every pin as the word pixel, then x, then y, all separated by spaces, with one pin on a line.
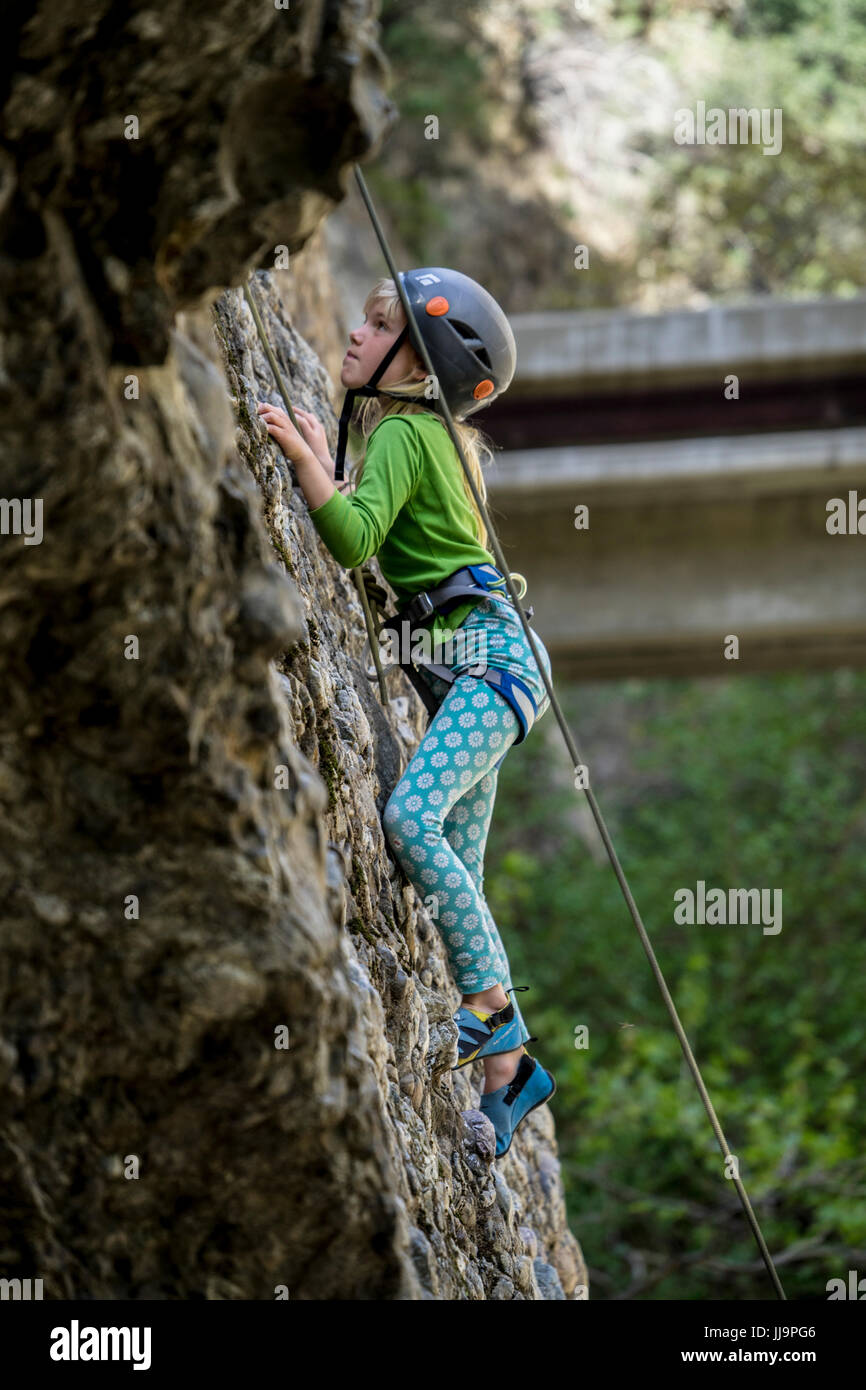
pixel 471 581
pixel 442 405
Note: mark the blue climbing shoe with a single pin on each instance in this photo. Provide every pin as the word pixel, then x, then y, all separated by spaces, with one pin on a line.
pixel 487 1034
pixel 506 1108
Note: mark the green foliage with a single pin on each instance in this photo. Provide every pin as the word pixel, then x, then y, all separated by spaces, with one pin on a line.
pixel 743 782
pixel 734 219
pixel 725 220
pixel 435 70
pixel 438 68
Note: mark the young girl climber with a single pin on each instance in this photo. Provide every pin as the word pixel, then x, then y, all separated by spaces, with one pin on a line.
pixel 413 507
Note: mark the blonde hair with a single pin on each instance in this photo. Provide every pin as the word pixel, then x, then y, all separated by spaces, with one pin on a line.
pixel 474 442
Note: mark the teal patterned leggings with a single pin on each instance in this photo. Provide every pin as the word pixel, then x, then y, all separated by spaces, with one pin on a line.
pixel 438 816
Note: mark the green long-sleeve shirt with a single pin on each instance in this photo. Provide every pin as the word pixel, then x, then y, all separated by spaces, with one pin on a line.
pixel 410 508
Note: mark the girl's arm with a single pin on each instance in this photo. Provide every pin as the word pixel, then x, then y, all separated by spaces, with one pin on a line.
pixel 354 528
pixel 316 477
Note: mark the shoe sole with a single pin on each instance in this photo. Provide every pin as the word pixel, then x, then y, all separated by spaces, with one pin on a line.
pixel 543 1101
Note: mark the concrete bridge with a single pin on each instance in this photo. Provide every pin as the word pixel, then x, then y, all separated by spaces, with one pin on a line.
pixel 705 446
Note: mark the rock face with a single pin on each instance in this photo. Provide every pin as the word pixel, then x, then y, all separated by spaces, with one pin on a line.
pixel 225 1019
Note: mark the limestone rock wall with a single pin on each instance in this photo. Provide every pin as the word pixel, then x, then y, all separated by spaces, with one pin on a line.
pixel 173 636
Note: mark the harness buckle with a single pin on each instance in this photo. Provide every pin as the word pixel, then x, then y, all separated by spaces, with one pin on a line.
pixel 419 609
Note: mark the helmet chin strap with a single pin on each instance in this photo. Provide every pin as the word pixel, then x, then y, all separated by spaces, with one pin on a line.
pixel 370 389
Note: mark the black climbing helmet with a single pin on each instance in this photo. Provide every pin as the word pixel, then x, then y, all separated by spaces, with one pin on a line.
pixel 468 337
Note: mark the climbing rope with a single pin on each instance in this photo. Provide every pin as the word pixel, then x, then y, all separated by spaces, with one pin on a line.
pixel 577 763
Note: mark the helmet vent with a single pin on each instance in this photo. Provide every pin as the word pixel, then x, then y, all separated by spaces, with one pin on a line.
pixel 473 342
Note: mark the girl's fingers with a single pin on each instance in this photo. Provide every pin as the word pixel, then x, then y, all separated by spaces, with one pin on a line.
pixel 265 409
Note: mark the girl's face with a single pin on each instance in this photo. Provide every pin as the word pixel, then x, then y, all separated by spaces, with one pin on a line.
pixel 368 345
